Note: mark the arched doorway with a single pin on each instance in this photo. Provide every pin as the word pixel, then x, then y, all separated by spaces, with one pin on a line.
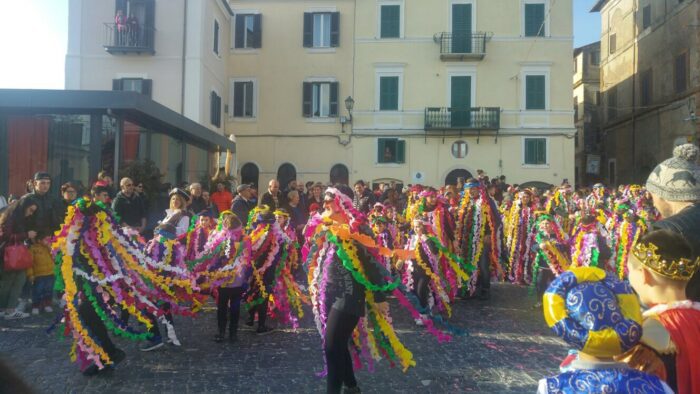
pixel 250 174
pixel 451 178
pixel 340 174
pixel 285 174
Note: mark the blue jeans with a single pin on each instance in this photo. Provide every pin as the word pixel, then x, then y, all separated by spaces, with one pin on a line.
pixel 42 291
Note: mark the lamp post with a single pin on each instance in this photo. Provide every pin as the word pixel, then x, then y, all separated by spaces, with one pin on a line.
pixel 349 104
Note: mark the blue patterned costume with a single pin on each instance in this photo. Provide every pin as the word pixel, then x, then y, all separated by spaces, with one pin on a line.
pixel 615 380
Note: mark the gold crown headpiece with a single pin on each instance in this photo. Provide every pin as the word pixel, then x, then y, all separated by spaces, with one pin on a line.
pixel 682 269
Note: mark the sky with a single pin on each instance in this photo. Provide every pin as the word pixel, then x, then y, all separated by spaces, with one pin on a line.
pixel 37 50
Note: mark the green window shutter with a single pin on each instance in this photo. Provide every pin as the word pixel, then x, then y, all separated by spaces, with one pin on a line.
pixel 390 21
pixel 308 30
pixel 333 107
pixel 306 101
pixel 536 151
pixel 388 93
pixel 541 151
pixel 401 151
pixel 257 31
pixel 535 92
pixel 381 144
pixel 534 20
pixel 240 31
pixel 335 29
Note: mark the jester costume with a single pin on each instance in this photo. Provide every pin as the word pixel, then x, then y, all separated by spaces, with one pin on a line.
pixel 599 316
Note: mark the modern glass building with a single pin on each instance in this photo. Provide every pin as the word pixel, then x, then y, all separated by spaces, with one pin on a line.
pixel 74 134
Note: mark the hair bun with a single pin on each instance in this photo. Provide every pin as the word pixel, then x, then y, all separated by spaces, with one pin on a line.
pixel 688 152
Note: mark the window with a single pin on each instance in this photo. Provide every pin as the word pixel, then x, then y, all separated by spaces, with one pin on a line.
pixel 216 36
pixel 680 75
pixel 320 99
pixel 321 29
pixel 244 99
pixel 248 31
pixel 534 20
pixel 646 16
pixel 595 58
pixel 215 109
pixel 140 85
pixel 391 151
pixel 613 43
pixel 390 21
pixel 612 104
pixel 459 149
pixel 645 89
pixel 535 95
pixel 388 93
pixel 575 109
pixel 535 151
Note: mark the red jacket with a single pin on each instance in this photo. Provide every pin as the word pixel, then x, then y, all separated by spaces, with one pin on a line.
pixel 222 200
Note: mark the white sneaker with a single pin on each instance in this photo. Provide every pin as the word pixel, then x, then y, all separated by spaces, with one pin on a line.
pixel 48 309
pixel 35 311
pixel 16 315
pixel 419 322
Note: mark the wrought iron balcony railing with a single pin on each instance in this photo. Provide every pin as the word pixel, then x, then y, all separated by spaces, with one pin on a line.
pixel 128 39
pixel 462 46
pixel 446 118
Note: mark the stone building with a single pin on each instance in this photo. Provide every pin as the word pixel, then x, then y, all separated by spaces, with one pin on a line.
pixel 650 80
pixel 587 114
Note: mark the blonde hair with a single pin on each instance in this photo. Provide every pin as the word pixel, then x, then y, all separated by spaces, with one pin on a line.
pixel 181 199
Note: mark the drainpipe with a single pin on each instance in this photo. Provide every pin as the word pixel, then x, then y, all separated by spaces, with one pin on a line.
pixel 634 110
pixel 184 53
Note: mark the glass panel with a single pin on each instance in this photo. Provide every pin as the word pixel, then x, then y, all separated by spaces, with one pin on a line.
pixel 249 29
pixel 322 30
pixel 317 30
pixel 132 84
pixel 166 153
pixel 325 99
pixel 248 99
pixel 197 165
pixel 326 30
pixel 316 98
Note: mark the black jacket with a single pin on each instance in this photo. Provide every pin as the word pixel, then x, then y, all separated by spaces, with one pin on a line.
pixel 129 209
pixel 47 217
pixel 270 202
pixel 198 205
pixel 343 292
pixel 241 208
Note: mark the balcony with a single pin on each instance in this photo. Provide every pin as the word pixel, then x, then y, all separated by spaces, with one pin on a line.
pixel 125 40
pixel 461 121
pixel 462 46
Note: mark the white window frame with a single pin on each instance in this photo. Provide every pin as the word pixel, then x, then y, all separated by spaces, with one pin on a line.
pixel 233 95
pixel 322 16
pixel 533 70
pixel 233 31
pixel 388 71
pixel 547 151
pixel 216 37
pixel 461 71
pixel 324 119
pixel 402 13
pixel 449 13
pixel 547 17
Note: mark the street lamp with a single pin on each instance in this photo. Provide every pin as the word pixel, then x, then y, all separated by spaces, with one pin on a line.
pixel 349 104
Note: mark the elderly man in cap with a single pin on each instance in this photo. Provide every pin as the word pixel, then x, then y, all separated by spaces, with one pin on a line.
pixel 675 187
pixel 197 203
pixel 47 217
pixel 243 203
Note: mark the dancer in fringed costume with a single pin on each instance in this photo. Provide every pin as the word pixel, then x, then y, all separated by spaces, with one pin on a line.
pixel 560 206
pixel 517 227
pixel 479 237
pixel 271 248
pixel 551 248
pixel 168 249
pixel 588 244
pixel 432 273
pixel 204 225
pixel 347 286
pixel 625 228
pixel 384 239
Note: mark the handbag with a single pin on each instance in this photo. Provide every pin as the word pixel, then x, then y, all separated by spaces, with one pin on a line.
pixel 17 257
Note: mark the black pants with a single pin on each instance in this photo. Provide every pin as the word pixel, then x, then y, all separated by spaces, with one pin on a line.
pixel 483 282
pixel 229 303
pixel 545 277
pixel 261 310
pixel 339 327
pixel 421 287
pixel 96 328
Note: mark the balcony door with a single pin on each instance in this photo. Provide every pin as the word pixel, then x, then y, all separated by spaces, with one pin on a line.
pixel 461 28
pixel 461 100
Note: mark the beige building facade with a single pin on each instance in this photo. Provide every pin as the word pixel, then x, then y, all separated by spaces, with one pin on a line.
pixel 587 114
pixel 650 80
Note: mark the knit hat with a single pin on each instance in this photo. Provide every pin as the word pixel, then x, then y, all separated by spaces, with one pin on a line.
pixel 678 178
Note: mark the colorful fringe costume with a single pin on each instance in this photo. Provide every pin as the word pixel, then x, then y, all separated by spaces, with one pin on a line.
pixel 518 224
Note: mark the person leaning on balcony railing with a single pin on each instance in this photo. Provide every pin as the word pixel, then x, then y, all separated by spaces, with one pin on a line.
pixel 132 24
pixel 120 22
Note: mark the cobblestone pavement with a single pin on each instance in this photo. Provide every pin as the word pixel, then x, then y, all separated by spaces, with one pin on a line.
pixel 508 349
